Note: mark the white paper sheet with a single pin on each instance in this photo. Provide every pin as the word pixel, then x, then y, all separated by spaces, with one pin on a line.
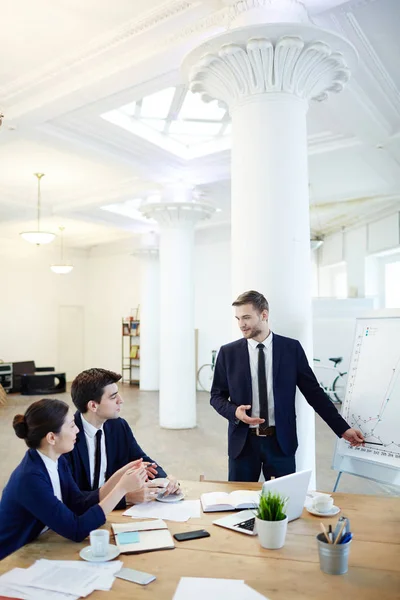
pixel 70 579
pixel 105 571
pixel 11 584
pixel 27 593
pixel 73 581
pixel 198 588
pixel 181 511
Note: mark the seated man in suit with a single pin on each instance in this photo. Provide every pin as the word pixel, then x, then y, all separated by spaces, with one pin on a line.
pixel 105 442
pixel 254 388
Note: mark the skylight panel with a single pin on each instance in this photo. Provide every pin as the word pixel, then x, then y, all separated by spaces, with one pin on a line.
pixel 190 140
pixel 157 105
pixel 194 128
pixel 157 124
pixel 193 107
pixel 129 109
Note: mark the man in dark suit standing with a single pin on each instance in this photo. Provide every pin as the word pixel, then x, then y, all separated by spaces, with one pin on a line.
pixel 105 442
pixel 254 388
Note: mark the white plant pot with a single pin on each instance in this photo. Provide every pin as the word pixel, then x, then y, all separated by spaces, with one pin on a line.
pixel 271 534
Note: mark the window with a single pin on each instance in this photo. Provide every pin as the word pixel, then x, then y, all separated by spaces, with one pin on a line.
pixel 392 285
pixel 340 283
pixel 333 281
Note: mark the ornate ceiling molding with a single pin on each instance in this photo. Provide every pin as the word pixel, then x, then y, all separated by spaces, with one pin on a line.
pixel 344 21
pixel 238 71
pixel 273 10
pixel 374 63
pixel 97 48
pixel 217 19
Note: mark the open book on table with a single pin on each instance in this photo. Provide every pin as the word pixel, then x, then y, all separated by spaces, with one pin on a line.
pixel 237 500
pixel 142 536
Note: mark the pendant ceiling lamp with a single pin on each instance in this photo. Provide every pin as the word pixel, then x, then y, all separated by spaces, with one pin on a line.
pixel 316 243
pixel 62 267
pixel 38 237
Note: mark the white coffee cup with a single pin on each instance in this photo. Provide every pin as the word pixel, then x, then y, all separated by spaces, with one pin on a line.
pixel 323 503
pixel 99 541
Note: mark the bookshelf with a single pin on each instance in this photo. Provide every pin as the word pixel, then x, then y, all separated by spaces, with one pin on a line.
pixel 130 350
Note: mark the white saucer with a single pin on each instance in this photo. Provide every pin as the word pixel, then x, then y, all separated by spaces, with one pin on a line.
pixel 334 511
pixel 86 554
pixel 171 498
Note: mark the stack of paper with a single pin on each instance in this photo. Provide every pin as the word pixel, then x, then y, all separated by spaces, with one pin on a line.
pixel 58 579
pixel 198 588
pixel 181 511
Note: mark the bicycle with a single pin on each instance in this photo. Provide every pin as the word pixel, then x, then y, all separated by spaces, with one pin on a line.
pixel 205 374
pixel 337 390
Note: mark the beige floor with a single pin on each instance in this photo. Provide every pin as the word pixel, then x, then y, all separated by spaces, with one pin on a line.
pixel 184 453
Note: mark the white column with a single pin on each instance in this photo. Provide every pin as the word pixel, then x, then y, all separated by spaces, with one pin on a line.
pixel 177 341
pixel 266 74
pixel 149 319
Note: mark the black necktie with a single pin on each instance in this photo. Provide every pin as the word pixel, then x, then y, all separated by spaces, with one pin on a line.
pixel 262 386
pixel 97 460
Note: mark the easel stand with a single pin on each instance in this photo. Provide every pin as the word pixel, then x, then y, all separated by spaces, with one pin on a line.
pixel 367 469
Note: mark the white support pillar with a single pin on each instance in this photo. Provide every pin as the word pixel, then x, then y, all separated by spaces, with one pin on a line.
pixel 177 341
pixel 149 318
pixel 266 69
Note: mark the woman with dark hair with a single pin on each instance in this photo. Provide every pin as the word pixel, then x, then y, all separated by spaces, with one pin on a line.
pixel 41 493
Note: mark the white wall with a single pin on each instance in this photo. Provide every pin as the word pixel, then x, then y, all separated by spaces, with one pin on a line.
pixel 29 302
pixel 334 323
pixel 106 285
pixel 113 290
pixel 364 251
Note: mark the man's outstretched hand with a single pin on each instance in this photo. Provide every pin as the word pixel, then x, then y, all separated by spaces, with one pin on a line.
pixel 242 416
pixel 354 436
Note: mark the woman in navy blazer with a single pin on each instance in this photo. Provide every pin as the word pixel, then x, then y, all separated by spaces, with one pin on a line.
pixel 41 492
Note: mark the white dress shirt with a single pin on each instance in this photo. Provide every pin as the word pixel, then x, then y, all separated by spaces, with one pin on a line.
pixel 253 356
pixel 52 469
pixel 90 432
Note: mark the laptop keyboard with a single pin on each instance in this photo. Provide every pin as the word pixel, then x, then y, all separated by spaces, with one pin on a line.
pixel 249 524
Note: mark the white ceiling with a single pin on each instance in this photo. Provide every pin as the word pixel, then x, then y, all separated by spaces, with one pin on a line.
pixel 67 63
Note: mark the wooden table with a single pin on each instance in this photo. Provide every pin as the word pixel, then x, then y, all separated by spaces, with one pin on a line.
pixel 287 574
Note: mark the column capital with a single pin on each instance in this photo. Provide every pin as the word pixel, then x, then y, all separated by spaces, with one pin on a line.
pixel 173 214
pixel 295 59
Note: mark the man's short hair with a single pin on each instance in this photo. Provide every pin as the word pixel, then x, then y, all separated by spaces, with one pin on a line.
pixel 258 301
pixel 89 385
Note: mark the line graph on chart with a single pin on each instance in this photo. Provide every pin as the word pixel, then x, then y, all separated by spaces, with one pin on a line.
pixel 372 402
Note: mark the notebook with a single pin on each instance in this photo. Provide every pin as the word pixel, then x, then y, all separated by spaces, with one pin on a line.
pixel 142 536
pixel 237 500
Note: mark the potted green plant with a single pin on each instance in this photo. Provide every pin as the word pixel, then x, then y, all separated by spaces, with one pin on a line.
pixel 271 520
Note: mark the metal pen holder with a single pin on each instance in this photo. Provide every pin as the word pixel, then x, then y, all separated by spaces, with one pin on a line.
pixel 333 559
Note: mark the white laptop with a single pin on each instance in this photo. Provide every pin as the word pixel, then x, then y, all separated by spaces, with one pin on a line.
pixel 293 486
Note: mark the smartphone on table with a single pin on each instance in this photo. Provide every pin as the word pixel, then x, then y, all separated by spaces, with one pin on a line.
pixel 191 535
pixel 135 576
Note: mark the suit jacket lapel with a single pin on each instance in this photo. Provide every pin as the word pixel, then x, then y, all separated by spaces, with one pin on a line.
pixel 245 361
pixel 276 356
pixel 81 447
pixel 63 483
pixel 110 449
